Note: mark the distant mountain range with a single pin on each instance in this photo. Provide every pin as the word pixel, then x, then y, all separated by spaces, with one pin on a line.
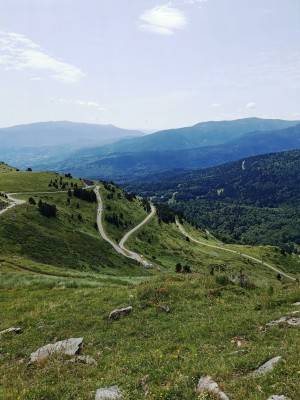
pixel 44 142
pixel 144 156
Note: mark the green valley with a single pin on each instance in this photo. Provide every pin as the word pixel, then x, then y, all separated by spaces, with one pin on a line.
pixel 60 279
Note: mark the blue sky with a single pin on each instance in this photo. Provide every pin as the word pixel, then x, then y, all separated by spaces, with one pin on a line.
pixel 148 64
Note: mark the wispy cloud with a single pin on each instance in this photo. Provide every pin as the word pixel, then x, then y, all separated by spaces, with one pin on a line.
pixel 163 20
pixel 251 105
pixel 20 53
pixel 91 104
pixel 193 2
pixel 215 105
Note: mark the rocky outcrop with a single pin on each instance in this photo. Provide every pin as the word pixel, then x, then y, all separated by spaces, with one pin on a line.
pixel 69 346
pixel 267 367
pixel 118 313
pixel 112 392
pixel 11 330
pixel 207 384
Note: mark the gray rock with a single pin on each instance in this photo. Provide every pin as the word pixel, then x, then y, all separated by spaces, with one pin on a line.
pixel 294 321
pixel 112 392
pixel 277 321
pixel 84 360
pixel 69 346
pixel 267 367
pixel 297 303
pixel 117 314
pixel 282 397
pixel 207 384
pixel 11 330
pixel 166 308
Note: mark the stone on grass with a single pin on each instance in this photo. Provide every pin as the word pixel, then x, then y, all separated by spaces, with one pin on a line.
pixel 84 360
pixel 275 397
pixel 69 346
pixel 289 320
pixel 112 392
pixel 297 303
pixel 207 384
pixel 294 321
pixel 267 367
pixel 11 330
pixel 117 314
pixel 277 321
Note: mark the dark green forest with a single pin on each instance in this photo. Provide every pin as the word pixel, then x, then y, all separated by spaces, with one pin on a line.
pixel 252 201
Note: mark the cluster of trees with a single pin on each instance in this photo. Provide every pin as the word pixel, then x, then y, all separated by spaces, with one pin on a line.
pixel 129 196
pixel 182 269
pixel 146 205
pixel 48 210
pixel 86 195
pixel 165 214
pixel 60 183
pixel 117 220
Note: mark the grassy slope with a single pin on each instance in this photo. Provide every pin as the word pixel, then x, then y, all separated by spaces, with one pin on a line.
pixel 22 181
pixel 173 349
pixel 166 246
pixel 133 212
pixel 167 351
pixel 62 241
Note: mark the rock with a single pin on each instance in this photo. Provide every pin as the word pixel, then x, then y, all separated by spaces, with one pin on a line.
pixel 290 321
pixel 277 321
pixel 11 330
pixel 117 314
pixel 84 360
pixel 297 303
pixel 294 321
pixel 69 346
pixel 237 352
pixel 166 308
pixel 206 383
pixel 112 392
pixel 282 397
pixel 267 367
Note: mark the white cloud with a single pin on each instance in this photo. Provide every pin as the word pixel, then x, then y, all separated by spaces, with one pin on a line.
pixel 215 105
pixel 91 104
pixel 193 2
pixel 251 105
pixel 19 53
pixel 163 20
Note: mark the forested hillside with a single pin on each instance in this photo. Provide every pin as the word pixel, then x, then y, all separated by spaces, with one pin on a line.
pixel 255 200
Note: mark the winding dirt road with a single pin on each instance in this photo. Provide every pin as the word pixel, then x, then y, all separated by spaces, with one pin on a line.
pixel 232 251
pixel 120 248
pixel 13 202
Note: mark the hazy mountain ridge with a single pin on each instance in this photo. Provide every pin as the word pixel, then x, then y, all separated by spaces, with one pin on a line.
pixel 137 166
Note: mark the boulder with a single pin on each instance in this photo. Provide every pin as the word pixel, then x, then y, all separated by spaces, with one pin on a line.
pixel 294 321
pixel 11 330
pixel 69 346
pixel 282 397
pixel 117 314
pixel 207 384
pixel 112 392
pixel 267 367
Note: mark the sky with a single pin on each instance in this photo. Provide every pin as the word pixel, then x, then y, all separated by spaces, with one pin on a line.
pixel 148 64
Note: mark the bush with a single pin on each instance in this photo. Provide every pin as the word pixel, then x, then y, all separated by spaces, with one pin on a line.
pixel 222 280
